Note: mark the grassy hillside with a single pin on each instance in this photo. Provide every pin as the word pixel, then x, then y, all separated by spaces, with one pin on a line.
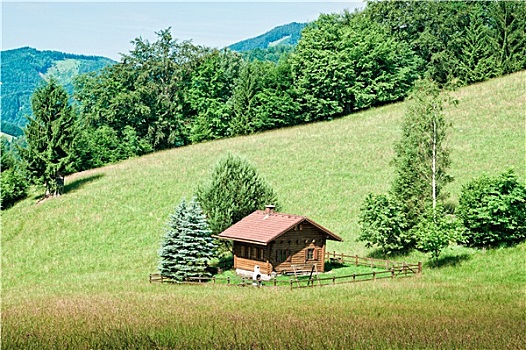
pixel 75 269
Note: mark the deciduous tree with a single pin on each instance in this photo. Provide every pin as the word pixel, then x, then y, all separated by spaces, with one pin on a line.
pixel 436 230
pixel 384 225
pixel 146 90
pixel 421 156
pixel 347 62
pixel 14 184
pixel 421 162
pixel 210 94
pixel 493 209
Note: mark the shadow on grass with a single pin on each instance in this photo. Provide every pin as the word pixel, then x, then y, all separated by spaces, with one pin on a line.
pixel 379 254
pixel 448 260
pixel 330 265
pixel 69 187
pixel 77 184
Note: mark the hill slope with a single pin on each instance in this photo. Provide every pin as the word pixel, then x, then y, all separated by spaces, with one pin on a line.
pixel 24 68
pixel 322 170
pixel 288 34
pixel 83 259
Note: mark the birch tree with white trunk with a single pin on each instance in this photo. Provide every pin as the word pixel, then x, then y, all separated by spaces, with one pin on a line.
pixel 421 156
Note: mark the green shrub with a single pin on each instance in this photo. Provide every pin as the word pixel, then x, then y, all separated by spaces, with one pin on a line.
pixel 493 209
pixel 13 187
pixel 234 191
pixel 436 230
pixel 13 181
pixel 383 224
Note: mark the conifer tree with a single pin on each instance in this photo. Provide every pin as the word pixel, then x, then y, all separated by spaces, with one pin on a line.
pixel 235 190
pixel 187 245
pixel 50 135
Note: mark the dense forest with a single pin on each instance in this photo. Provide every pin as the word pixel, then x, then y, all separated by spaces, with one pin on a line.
pixel 24 69
pixel 168 93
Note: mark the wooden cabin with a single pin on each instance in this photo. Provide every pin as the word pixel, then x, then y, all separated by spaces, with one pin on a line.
pixel 276 241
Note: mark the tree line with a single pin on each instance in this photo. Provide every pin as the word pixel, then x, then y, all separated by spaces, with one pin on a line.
pixel 166 93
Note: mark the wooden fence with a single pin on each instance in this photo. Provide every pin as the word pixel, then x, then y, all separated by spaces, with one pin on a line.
pixel 228 281
pixel 392 273
pixel 371 262
pixel 388 269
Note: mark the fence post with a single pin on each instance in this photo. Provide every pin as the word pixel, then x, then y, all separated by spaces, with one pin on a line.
pixel 333 279
pixel 214 279
pixel 291 284
pixel 419 267
pixel 334 254
pixel 228 280
pixel 374 275
pixel 405 268
pixel 371 262
pixel 275 282
pixel 356 260
pixel 342 258
pixel 354 277
pixel 392 272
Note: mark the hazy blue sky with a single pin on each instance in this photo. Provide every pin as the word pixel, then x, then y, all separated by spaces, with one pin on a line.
pixel 106 28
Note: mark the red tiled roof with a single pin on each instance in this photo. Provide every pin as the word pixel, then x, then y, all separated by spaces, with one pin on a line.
pixel 261 228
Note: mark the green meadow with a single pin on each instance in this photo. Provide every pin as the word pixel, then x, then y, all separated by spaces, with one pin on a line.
pixel 75 268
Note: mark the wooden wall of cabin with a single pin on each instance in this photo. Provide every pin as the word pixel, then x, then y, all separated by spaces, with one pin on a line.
pixel 292 247
pixel 247 256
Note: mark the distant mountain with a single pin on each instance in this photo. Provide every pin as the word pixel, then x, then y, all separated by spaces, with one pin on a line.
pixel 25 68
pixel 288 34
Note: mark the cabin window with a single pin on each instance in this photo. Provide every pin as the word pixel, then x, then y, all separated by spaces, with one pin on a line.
pixel 309 254
pixel 261 254
pixel 282 255
pixel 243 251
pixel 254 253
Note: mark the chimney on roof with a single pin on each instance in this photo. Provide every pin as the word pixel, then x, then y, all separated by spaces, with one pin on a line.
pixel 269 209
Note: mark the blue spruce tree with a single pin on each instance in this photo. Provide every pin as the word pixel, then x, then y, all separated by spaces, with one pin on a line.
pixel 187 245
